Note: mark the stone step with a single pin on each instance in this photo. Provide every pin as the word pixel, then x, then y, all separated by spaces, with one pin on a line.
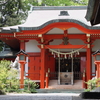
pixel 53 84
pixel 59 91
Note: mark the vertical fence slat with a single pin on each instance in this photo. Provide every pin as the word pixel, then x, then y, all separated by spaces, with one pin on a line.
pixel 29 86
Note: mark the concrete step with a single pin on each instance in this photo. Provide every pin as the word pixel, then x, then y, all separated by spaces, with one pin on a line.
pixel 59 91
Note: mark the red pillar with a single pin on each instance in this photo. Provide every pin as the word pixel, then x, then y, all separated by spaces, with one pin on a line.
pixel 89 65
pixel 22 45
pixel 42 72
pixel 22 74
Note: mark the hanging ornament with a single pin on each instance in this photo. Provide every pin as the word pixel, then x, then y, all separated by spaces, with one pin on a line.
pixel 58 55
pixel 78 53
pixel 54 55
pixel 52 52
pixel 71 55
pixel 65 56
pixel 75 54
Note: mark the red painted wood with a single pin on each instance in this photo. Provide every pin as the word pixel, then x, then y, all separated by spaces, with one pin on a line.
pixel 65 33
pixel 89 65
pixel 83 64
pixel 22 63
pixel 42 71
pixel 51 64
pixel 22 45
pixel 98 68
pixel 14 43
pixel 34 68
pixel 84 80
pixel 60 36
pixel 34 54
pixel 62 46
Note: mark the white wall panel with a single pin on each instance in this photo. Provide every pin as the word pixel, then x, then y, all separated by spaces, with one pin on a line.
pixel 31 46
pixel 70 31
pixel 55 31
pixel 74 31
pixel 26 66
pixel 96 45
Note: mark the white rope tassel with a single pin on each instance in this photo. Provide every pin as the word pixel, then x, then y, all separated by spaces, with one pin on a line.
pixel 78 52
pixel 52 52
pixel 61 53
pixel 58 55
pixel 71 55
pixel 65 56
pixel 75 54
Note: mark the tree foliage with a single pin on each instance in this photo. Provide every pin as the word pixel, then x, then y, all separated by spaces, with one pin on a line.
pixel 13 12
pixel 57 2
pixel 63 2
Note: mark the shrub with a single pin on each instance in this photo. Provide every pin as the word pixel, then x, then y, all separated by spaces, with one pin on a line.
pixel 30 86
pixel 9 81
pixel 92 84
pixel 2 92
pixel 7 75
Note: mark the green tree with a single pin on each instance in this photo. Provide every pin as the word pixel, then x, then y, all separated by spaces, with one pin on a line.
pixel 63 2
pixel 13 12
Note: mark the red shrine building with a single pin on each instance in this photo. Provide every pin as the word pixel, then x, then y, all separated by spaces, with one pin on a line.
pixel 59 43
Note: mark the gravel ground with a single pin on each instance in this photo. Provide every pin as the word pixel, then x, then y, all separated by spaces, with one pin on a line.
pixel 41 96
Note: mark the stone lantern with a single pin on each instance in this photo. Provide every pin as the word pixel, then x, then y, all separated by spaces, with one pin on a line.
pixel 22 60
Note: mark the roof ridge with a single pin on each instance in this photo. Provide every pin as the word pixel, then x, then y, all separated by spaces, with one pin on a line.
pixel 59 7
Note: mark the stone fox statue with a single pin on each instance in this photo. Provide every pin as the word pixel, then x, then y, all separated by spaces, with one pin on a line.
pixel 16 66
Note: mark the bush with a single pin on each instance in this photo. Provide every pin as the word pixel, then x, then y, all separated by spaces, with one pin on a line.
pixel 9 81
pixel 92 84
pixel 8 76
pixel 2 92
pixel 30 86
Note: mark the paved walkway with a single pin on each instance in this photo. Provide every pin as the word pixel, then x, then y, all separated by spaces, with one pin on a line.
pixel 41 96
pixel 45 96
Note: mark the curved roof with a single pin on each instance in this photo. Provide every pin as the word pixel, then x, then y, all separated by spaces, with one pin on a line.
pixel 41 17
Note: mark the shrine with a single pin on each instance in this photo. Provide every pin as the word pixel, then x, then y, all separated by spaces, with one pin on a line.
pixel 59 43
